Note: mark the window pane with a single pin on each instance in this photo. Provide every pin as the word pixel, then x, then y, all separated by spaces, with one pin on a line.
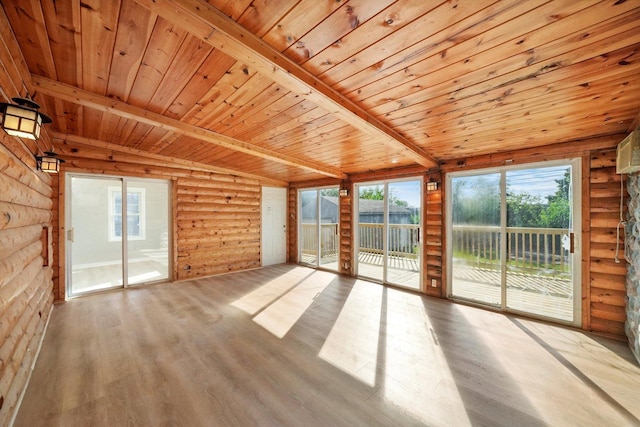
pixel 476 237
pixel 133 203
pixel 133 225
pixel 148 231
pixel 117 225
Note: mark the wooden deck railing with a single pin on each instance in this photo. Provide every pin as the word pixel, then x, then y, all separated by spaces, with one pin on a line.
pixel 328 233
pixel 403 239
pixel 528 248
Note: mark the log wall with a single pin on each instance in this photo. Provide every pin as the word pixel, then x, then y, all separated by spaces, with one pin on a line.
pixel 25 240
pixel 25 283
pixel 605 285
pixel 216 217
pixel 218 225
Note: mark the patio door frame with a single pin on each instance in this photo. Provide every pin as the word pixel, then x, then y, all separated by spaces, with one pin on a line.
pixel 385 226
pixel 576 225
pixel 69 235
pixel 318 234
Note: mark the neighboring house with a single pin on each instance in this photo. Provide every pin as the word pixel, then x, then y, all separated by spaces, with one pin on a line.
pixel 370 211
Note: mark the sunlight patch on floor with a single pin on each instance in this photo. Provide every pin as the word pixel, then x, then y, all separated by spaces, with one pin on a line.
pixel 415 366
pixel 352 344
pixel 280 316
pixel 266 294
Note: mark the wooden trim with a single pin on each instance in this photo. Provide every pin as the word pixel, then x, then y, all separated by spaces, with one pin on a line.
pixel 531 155
pixel 142 157
pixel 46 239
pixel 213 27
pixel 62 238
pixel 173 245
pixel 122 109
pixel 586 242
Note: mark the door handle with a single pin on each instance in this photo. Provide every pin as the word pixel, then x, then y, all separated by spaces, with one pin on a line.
pixel 572 242
pixel 71 234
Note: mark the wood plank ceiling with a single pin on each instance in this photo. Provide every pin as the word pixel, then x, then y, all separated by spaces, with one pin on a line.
pixel 294 90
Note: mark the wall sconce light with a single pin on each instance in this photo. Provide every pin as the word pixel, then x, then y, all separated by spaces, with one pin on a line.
pixel 23 119
pixel 432 185
pixel 49 163
pixel 344 192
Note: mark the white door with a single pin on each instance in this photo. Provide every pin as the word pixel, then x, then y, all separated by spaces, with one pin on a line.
pixel 274 225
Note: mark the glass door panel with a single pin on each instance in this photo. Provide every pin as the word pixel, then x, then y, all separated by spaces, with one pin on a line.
pixel 476 272
pixel 403 233
pixel 95 219
pixel 371 235
pixel 147 231
pixel 329 228
pixel 309 227
pixel 539 235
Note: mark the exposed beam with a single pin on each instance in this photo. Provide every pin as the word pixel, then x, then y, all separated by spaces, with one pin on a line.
pixel 109 105
pixel 133 155
pixel 213 27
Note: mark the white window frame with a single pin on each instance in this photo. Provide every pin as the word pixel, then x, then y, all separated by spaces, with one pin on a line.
pixel 112 216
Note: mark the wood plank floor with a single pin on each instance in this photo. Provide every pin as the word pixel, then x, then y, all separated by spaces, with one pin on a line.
pixel 292 346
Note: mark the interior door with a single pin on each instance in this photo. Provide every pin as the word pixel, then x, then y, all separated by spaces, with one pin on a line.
pixel 274 225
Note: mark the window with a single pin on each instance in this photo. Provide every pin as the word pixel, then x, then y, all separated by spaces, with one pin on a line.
pixel 136 229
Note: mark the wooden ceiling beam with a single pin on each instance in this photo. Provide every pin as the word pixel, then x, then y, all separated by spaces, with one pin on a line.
pixel 121 109
pixel 66 143
pixel 213 27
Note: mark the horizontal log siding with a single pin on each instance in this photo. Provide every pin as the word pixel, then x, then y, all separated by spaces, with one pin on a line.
pixel 25 285
pixel 432 237
pixel 606 293
pixel 25 209
pixel 292 226
pixel 218 226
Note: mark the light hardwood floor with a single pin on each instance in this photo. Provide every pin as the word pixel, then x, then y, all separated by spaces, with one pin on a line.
pixel 291 346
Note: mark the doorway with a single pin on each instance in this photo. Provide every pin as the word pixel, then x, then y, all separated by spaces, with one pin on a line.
pixel 513 239
pixel 388 225
pixel 319 213
pixel 274 225
pixel 116 241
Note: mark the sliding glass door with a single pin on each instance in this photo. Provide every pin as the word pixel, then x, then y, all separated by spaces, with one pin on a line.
pixel 93 218
pixel 513 239
pixel 113 240
pixel 319 213
pixel 388 232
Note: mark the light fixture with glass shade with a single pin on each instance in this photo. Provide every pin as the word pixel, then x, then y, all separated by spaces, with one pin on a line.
pixel 49 162
pixel 23 119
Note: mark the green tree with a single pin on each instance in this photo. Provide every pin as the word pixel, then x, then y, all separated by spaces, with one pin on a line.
pixel 377 193
pixel 558 213
pixel 524 210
